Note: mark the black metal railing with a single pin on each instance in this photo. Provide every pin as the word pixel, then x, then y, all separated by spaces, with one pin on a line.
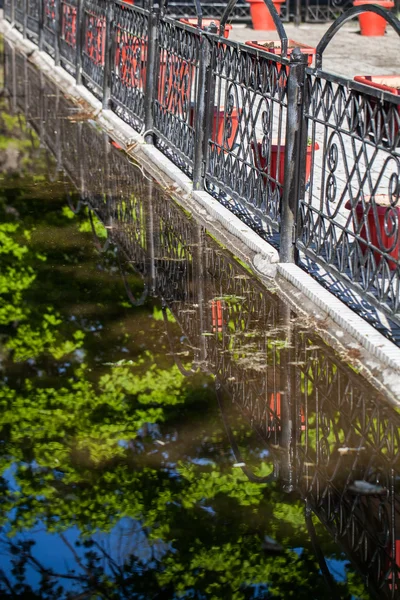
pixel 8 11
pixel 349 218
pixel 332 438
pixel 246 131
pixel 94 24
pixel 181 9
pixel 309 160
pixel 174 109
pixel 68 34
pixel 348 224
pixel 19 14
pixel 128 70
pixel 50 40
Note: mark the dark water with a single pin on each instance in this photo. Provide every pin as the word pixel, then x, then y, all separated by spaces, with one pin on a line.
pixel 168 428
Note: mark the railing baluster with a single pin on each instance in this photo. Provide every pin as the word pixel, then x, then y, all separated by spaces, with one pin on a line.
pixel 108 55
pixel 41 22
pixel 25 18
pixel 200 126
pixel 57 35
pixel 293 153
pixel 152 68
pixel 80 14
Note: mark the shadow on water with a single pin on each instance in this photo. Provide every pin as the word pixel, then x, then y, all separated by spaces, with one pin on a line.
pixel 169 428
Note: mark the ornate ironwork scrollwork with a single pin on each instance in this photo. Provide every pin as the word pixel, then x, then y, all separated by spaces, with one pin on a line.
pixel 174 110
pixel 94 40
pixel 32 19
pixel 49 25
pixel 128 71
pixel 68 16
pixel 251 108
pixel 354 232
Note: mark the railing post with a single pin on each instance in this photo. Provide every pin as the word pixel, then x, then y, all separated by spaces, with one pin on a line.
pixel 12 15
pixel 151 71
pixel 57 33
pixel 288 395
pixel 25 18
pixel 295 154
pixel 14 84
pixel 297 17
pixel 108 57
pixel 41 23
pixel 79 41
pixel 42 112
pixel 200 125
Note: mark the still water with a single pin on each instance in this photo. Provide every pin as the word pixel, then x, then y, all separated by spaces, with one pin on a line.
pixel 168 427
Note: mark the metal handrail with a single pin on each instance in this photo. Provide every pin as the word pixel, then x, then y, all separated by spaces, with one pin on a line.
pixel 347 16
pixel 274 14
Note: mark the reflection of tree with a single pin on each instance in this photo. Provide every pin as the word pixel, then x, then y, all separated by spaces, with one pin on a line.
pixel 108 448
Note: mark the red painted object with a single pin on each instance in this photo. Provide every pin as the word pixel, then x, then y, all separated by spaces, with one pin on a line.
pixel 390 559
pixel 68 24
pixel 175 81
pixel 387 83
pixel 221 121
pixel 275 47
pixel 275 406
pixel 260 15
pixel 384 227
pixel 206 23
pixel 130 58
pixel 277 171
pixel 95 39
pixel 372 24
pixel 216 315
pixel 50 10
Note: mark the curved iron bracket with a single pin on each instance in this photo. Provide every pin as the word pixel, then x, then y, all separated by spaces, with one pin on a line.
pixel 330 582
pixel 274 14
pixel 225 16
pixel 185 372
pixel 135 302
pixel 77 208
pixel 347 16
pixel 199 13
pixel 235 448
pixel 97 242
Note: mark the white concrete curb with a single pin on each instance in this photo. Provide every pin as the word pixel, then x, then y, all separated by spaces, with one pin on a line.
pixel 265 259
pixel 373 341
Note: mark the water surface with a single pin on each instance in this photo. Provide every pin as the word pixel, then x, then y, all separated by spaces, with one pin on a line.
pixel 168 428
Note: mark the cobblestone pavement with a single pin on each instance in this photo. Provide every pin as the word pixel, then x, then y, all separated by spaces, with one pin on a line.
pixel 348 54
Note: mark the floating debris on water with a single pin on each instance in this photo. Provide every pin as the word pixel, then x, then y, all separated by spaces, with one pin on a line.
pixel 366 489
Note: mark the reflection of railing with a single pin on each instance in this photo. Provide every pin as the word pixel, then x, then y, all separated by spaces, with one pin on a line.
pixel 333 440
pixel 316 173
